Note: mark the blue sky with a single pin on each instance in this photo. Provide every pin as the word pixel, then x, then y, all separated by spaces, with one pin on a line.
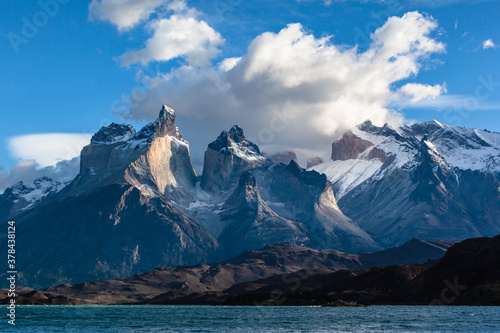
pixel 69 75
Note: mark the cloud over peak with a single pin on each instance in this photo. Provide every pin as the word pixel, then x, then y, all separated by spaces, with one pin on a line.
pixel 292 90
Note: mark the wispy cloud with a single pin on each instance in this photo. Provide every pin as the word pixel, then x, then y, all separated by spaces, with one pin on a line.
pixel 447 102
pixel 47 149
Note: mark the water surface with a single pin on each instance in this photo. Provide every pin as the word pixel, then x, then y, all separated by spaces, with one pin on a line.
pixel 253 319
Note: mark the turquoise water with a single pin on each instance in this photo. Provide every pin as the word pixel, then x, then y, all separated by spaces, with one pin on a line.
pixel 253 319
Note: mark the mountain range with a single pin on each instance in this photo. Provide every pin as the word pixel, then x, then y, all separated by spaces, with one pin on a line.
pixel 427 180
pixel 467 273
pixel 138 203
pixel 245 268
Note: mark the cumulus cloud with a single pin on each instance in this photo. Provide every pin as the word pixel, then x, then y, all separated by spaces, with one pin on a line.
pixel 292 90
pixel 417 92
pixel 48 149
pixel 28 170
pixel 488 44
pixel 181 35
pixel 125 14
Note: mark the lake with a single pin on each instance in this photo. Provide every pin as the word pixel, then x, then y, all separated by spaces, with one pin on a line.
pixel 253 319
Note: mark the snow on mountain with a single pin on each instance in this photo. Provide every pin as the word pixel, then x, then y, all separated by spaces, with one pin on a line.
pixel 113 133
pixel 429 180
pixel 455 147
pixel 227 158
pixel 41 188
pixel 22 196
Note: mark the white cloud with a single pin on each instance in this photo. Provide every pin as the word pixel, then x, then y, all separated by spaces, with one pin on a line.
pixel 48 149
pixel 488 44
pixel 125 14
pixel 458 103
pixel 28 170
pixel 417 92
pixel 294 91
pixel 181 35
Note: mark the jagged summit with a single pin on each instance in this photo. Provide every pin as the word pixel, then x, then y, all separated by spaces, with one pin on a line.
pixel 24 195
pixel 113 133
pixel 422 180
pixel 163 126
pixel 165 110
pixel 312 162
pixel 227 157
pixel 155 160
pixel 235 142
pixel 138 203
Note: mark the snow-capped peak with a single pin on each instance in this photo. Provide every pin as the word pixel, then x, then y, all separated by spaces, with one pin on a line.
pixel 450 147
pixel 165 110
pixel 234 142
pixel 113 133
pixel 26 195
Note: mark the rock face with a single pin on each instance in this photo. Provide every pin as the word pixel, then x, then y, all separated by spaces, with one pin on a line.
pixel 430 181
pixel 138 203
pixel 314 161
pixel 349 147
pixel 249 220
pixel 307 196
pixel 269 203
pixel 116 218
pixel 155 160
pixel 227 157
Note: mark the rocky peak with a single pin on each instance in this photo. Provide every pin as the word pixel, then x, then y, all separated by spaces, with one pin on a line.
pixel 166 111
pixel 312 162
pixel 428 127
pixel 163 126
pixel 166 123
pixel 245 197
pixel 284 157
pixel 311 178
pixel 349 147
pixel 385 130
pixel 112 134
pixel 234 142
pixel 294 168
pixel 227 158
